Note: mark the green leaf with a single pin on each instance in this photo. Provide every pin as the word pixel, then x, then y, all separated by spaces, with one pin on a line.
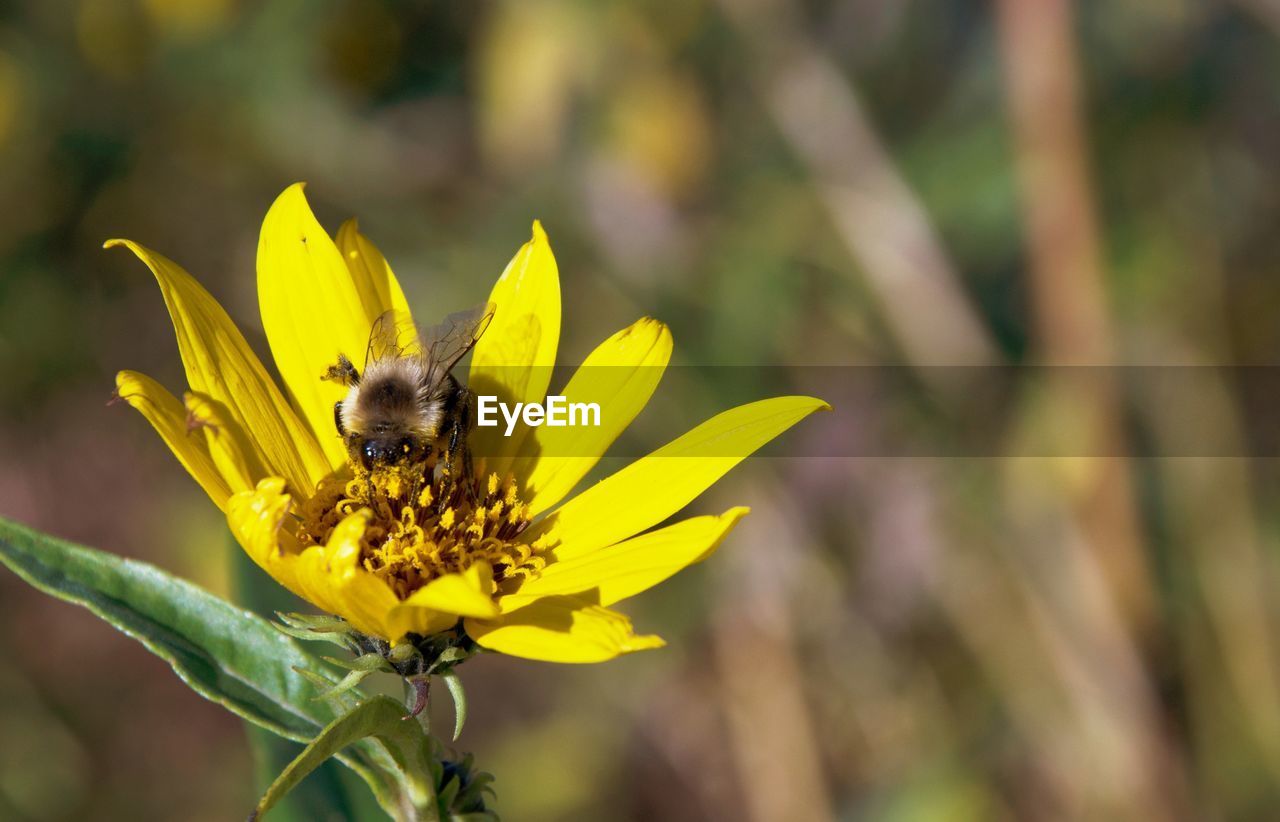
pixel 365 662
pixel 225 654
pixel 347 683
pixel 384 718
pixel 454 684
pixel 333 791
pixel 326 795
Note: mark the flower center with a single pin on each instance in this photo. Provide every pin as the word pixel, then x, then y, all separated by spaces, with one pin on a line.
pixel 422 527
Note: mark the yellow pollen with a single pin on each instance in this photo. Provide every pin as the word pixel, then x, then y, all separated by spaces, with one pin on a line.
pixel 421 527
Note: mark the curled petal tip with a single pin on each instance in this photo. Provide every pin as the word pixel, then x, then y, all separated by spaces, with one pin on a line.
pixel 141 252
pixel 269 485
pixel 643 642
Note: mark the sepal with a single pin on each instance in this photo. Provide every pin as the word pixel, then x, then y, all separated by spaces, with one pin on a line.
pixel 416 660
pixel 432 787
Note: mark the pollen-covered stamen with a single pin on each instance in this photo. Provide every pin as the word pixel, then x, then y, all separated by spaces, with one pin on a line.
pixel 421 529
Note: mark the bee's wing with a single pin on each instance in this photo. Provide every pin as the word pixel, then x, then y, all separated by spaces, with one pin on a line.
pixel 392 336
pixel 444 344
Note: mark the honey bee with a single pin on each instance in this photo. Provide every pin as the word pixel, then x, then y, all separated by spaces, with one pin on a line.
pixel 406 405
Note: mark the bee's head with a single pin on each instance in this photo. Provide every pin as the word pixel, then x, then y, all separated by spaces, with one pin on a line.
pixel 383 420
pixel 392 448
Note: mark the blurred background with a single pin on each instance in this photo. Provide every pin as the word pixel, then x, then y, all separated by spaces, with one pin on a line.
pixel 833 182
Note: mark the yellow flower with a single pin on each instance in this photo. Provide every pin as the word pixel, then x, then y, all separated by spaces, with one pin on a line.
pixel 529 575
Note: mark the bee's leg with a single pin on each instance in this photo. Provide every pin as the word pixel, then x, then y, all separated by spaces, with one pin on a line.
pixel 460 443
pixel 337 420
pixel 342 372
pixel 458 452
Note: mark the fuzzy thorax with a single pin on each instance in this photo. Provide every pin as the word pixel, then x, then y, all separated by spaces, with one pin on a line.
pixel 420 529
pixel 393 395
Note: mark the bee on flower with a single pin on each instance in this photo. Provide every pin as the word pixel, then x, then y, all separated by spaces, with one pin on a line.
pixel 360 487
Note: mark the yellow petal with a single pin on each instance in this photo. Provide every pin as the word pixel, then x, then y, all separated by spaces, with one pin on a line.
pixel 169 419
pixel 561 629
pixel 660 484
pixel 620 376
pixel 403 620
pixel 332 578
pixel 608 575
pixel 514 358
pixel 311 312
pixel 469 593
pixel 220 364
pixel 438 604
pixel 374 281
pixel 257 520
pixel 328 576
pixel 225 440
pixel 312 572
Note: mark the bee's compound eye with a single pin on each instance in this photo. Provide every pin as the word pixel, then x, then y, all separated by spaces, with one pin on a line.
pixel 369 453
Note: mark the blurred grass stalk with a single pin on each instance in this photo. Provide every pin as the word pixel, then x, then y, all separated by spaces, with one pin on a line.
pixel 1058 602
pixel 1209 497
pixel 1225 636
pixel 887 232
pixel 1089 588
pixel 882 223
pixel 762 676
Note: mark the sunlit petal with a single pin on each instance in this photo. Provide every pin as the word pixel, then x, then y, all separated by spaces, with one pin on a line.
pixel 609 575
pixel 374 281
pixel 561 629
pixel 514 359
pixel 469 593
pixel 311 311
pixel 438 604
pixel 169 419
pixel 331 577
pixel 220 364
pixel 620 376
pixel 660 484
pixel 257 520
pixel 207 418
